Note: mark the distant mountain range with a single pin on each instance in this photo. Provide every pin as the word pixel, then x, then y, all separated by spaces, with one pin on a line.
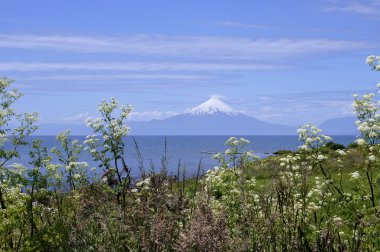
pixel 340 126
pixel 213 117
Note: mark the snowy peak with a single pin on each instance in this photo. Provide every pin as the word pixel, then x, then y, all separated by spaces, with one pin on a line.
pixel 214 105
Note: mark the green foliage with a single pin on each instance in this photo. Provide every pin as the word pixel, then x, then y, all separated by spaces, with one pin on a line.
pixel 321 197
pixel 353 145
pixel 334 146
pixel 282 152
pixel 68 155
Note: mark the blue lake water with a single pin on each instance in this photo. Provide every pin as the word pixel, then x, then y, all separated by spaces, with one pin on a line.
pixel 187 149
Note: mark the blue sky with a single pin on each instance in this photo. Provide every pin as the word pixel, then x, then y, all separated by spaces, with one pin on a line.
pixel 288 62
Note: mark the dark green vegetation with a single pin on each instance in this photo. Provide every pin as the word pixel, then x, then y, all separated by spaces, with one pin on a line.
pixel 321 198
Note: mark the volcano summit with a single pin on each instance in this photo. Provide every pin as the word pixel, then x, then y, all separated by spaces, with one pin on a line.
pixel 212 117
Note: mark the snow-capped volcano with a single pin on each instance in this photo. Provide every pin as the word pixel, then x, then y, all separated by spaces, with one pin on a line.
pixel 214 105
pixel 213 117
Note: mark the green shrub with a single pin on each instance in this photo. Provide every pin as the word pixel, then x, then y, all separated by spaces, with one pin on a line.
pixel 334 146
pixel 282 152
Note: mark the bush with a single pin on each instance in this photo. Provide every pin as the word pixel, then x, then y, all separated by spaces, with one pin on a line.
pixel 282 152
pixel 335 146
pixel 353 145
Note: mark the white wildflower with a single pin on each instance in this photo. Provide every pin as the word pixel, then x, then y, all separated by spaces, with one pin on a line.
pixel 370 59
pixel 244 141
pixel 230 140
pixel 321 157
pixel 371 158
pixel 355 175
pixel 337 221
pixel 341 152
pixel 217 156
pixel 77 176
pixel 360 141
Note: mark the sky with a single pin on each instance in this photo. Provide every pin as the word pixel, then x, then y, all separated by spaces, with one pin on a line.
pixel 288 62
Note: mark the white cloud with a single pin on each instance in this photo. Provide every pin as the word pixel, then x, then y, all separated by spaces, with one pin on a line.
pixel 137 66
pixel 113 76
pixel 195 47
pixel 293 109
pixel 81 118
pixel 218 96
pixel 226 23
pixel 78 118
pixel 368 8
pixel 150 115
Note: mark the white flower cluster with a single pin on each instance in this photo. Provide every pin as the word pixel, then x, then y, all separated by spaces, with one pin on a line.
pixel 234 155
pixel 76 165
pixel 354 175
pixel 374 62
pixel 232 189
pixel 3 138
pixel 312 137
pixel 112 129
pixel 96 124
pixel 360 141
pixel 371 158
pixel 215 175
pixel 368 123
pixel 318 194
pixel 233 141
pixel 337 221
pixel 341 152
pixel 290 162
pixel 143 185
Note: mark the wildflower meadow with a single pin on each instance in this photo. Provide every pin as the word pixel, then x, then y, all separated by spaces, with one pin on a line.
pixel 321 197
